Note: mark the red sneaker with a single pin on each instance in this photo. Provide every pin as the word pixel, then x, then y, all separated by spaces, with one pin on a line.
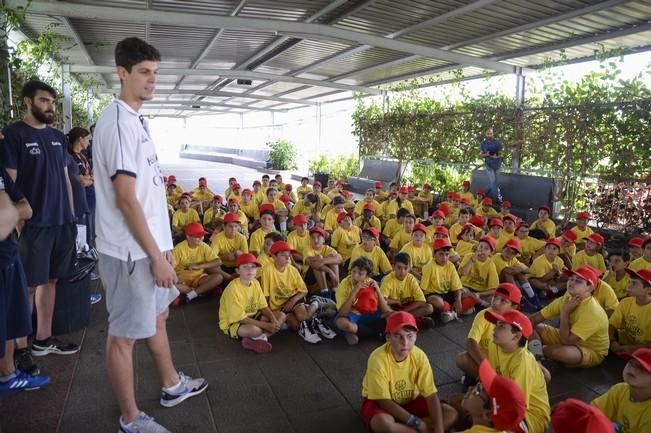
pixel 258 346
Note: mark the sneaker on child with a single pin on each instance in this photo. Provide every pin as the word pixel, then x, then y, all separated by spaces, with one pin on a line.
pixel 449 316
pixel 54 346
pixel 351 338
pixel 308 333
pixel 185 389
pixel 24 362
pixel 326 307
pixel 142 424
pixel 323 329
pixel 257 345
pixel 23 381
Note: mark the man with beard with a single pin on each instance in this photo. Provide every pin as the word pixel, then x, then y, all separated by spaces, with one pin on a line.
pixel 35 156
pixel 134 240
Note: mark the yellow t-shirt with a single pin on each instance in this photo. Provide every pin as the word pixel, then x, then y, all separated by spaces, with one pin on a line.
pixel 208 215
pixel 455 231
pixel 589 322
pixel 378 257
pixel 239 302
pixel 359 206
pixel 392 207
pixel 482 276
pixel 181 219
pixel 481 330
pixel 223 246
pixel 260 196
pixel 256 241
pixel 344 291
pixel 207 195
pixel 325 251
pixel 279 286
pixel 420 256
pixel 547 225
pixel 439 279
pixel 464 248
pixel 264 260
pixel 482 429
pixel 250 210
pixel 529 247
pixel 345 240
pixel 639 264
pixel 302 190
pixel 569 250
pixel 616 404
pixel 405 291
pixel 605 295
pixel 298 242
pixel 503 239
pixel 300 208
pixel 402 382
pixel 467 195
pixel 374 222
pixel 581 259
pixel 330 220
pixel 521 367
pixel 500 263
pixel 632 321
pixel 619 286
pixel 542 266
pixel 185 256
pixel 400 239
pixel 490 213
pixel 581 234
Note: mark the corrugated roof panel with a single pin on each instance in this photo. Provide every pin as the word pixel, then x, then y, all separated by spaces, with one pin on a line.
pixel 130 4
pixel 236 46
pixel 400 69
pixel 179 41
pixel 286 10
pixel 216 7
pixel 304 53
pixel 364 59
pixel 276 88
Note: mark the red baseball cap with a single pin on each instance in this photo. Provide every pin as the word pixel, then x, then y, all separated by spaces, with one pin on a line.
pixel 411 188
pixel 477 221
pixel 510 217
pixel 507 401
pixel 495 222
pixel 345 193
pixel 184 196
pixel 342 215
pixel 466 183
pixel 317 183
pixel 267 207
pixel 379 184
pixel 419 227
pixel 372 230
pixel 545 208
pixel 441 243
pixel 575 416
pixel 284 198
pixel 441 231
pixel 465 201
pixel 236 186
pixel 487 201
pixel 280 247
pixel 509 291
pixel 399 320
pixel 246 191
pixel 300 219
pixel 506 204
pixel 403 190
pixel 569 236
pixel 195 230
pixel 455 197
pixel 514 244
pixel 643 356
pixel 247 259
pixel 319 230
pixel 171 178
pixel 636 242
pixel 444 208
pixel 481 191
pixel 438 214
pixel 521 224
pixel 489 240
pixel 596 238
pixel 367 300
pixel 554 241
pixel 218 198
pixel 288 186
pixel 256 182
pixel 369 206
pixel 582 216
pixel 585 273
pixel 231 218
pixel 512 317
pixel 642 274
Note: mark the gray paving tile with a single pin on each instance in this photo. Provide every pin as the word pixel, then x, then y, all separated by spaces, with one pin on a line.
pixel 340 419
pixel 32 424
pixel 97 421
pixel 182 354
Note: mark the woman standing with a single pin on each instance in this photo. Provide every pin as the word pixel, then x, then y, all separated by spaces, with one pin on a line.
pixel 78 141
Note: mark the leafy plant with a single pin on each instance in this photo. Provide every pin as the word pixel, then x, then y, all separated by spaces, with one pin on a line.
pixel 440 178
pixel 282 155
pixel 339 167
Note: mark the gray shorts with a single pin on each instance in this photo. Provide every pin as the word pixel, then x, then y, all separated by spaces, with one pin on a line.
pixel 133 299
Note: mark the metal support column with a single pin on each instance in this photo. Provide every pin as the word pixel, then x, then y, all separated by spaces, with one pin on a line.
pixel 318 126
pixel 519 120
pixel 67 101
pixel 91 108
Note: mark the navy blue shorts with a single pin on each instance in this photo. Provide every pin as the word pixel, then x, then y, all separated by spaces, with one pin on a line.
pixel 15 319
pixel 47 253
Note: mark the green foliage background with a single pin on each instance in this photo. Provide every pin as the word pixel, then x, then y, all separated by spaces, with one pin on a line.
pixel 339 167
pixel 283 155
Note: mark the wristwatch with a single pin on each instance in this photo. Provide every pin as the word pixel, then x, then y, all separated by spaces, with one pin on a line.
pixel 414 422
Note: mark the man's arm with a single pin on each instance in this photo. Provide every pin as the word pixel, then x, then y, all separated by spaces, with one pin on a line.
pixel 126 200
pixel 8 215
pixel 71 201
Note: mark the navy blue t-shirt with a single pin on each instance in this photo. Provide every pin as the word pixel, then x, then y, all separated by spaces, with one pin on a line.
pixel 9 246
pixel 493 147
pixel 78 190
pixel 39 155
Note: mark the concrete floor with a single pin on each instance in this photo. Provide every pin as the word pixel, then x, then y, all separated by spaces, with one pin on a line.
pixel 297 387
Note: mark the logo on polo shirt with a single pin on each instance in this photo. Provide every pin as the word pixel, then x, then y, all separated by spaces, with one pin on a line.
pixel 33 148
pixel 2 184
pixel 56 143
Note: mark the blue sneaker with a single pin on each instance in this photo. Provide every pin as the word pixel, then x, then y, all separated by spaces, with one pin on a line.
pixel 95 298
pixel 189 388
pixel 23 381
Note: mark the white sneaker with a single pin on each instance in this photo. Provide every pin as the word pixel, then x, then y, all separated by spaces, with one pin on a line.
pixel 326 307
pixel 142 424
pixel 189 388
pixel 449 316
pixel 323 329
pixel 307 333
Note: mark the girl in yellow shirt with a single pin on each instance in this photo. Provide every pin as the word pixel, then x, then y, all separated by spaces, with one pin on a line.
pixel 478 273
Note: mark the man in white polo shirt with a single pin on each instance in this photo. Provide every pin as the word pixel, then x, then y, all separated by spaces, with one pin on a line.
pixel 134 240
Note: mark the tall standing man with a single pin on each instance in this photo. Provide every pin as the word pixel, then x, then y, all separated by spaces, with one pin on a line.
pixel 134 240
pixel 35 157
pixel 490 149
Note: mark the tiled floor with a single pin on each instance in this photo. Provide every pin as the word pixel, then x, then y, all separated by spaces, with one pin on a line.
pixel 297 387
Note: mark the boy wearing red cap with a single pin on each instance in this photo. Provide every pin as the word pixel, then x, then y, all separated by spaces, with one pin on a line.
pixel 437 218
pixel 403 235
pixel 455 229
pixel 511 270
pixel 369 199
pixel 391 209
pixel 545 270
pixel 202 193
pixel 264 258
pixel 465 192
pixel 495 229
pixel 287 190
pixel 508 354
pixel 318 191
pixel 508 221
pixel 568 247
pixel 345 237
pixel 267 226
pixel 486 208
pixel 359 301
pixel 643 262
pixel 213 215
pixel 285 289
pixel 582 338
pixel 628 404
pixel 299 238
pixel 530 246
pixel 507 297
pixel 230 243
pixel 478 273
pixel 496 404
pixel 370 248
pixel 505 208
pixel 402 291
pixel 418 250
pixel 171 180
pixel 368 219
pixel 590 255
pixel 398 388
pixel 183 216
pixel 576 416
pixel 635 247
pixel 544 222
pixel 466 242
pixel 630 325
pixel 321 262
pixel 604 294
pixel 581 230
pixel 196 264
pixel 249 206
pixel 329 216
pixel 243 309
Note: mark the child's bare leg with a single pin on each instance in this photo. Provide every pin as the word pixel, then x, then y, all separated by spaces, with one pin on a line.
pixel 346 325
pixel 467 364
pixel 208 282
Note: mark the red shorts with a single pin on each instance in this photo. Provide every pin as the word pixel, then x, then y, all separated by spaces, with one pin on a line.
pixel 370 408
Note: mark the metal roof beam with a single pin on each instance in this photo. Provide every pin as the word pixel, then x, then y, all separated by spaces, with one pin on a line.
pixel 205 103
pixel 82 47
pixel 252 75
pixel 316 31
pixel 180 108
pixel 216 93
